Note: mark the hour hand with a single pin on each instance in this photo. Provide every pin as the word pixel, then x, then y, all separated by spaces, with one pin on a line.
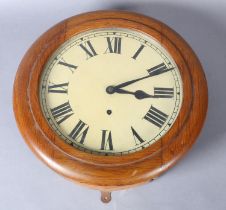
pixel 139 94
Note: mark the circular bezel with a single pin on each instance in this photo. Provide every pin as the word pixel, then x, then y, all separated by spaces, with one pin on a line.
pixel 76 40
pixel 109 172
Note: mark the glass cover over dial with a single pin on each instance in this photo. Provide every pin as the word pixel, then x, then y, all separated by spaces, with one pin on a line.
pixel 111 91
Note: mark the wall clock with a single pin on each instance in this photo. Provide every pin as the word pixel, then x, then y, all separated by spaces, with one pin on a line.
pixel 110 99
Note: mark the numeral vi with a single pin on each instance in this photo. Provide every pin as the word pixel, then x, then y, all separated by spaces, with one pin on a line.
pixel 106 142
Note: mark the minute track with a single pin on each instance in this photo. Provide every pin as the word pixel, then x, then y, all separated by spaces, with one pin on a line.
pixel 139 94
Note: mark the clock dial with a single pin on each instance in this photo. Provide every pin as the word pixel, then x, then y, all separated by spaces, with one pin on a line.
pixel 111 91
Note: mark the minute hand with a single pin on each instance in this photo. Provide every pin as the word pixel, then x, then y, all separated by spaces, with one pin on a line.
pixel 124 84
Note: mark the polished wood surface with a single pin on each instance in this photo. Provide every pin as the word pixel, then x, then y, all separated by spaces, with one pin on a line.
pixel 108 173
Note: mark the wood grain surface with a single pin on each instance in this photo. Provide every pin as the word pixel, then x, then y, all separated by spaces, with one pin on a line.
pixel 108 173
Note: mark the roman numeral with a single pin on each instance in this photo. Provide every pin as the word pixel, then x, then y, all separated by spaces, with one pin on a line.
pixel 137 138
pixel 58 88
pixel 106 143
pixel 70 66
pixel 62 112
pixel 163 92
pixel 159 69
pixel 114 45
pixel 89 50
pixel 138 52
pixel 79 132
pixel 156 117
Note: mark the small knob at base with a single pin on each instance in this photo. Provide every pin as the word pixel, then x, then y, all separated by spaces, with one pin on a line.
pixel 105 196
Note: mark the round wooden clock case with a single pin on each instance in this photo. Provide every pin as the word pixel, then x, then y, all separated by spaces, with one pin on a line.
pixel 107 172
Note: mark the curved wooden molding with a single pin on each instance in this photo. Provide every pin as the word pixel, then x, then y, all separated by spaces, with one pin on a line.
pixel 108 173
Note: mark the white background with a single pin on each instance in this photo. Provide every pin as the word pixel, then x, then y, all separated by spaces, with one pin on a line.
pixel 198 181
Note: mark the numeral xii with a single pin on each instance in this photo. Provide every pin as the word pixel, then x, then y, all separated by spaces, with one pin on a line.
pixel 114 45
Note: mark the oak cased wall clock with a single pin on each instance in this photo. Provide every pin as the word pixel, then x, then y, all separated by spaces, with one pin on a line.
pixel 110 99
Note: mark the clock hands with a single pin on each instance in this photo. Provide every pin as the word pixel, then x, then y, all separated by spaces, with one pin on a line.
pixel 151 74
pixel 139 94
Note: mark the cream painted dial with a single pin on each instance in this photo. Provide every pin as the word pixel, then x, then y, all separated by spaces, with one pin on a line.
pixel 111 91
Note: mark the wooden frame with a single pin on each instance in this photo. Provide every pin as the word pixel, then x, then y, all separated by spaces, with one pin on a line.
pixel 108 173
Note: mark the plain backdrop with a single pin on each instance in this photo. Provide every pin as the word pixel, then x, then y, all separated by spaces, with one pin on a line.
pixel 198 181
